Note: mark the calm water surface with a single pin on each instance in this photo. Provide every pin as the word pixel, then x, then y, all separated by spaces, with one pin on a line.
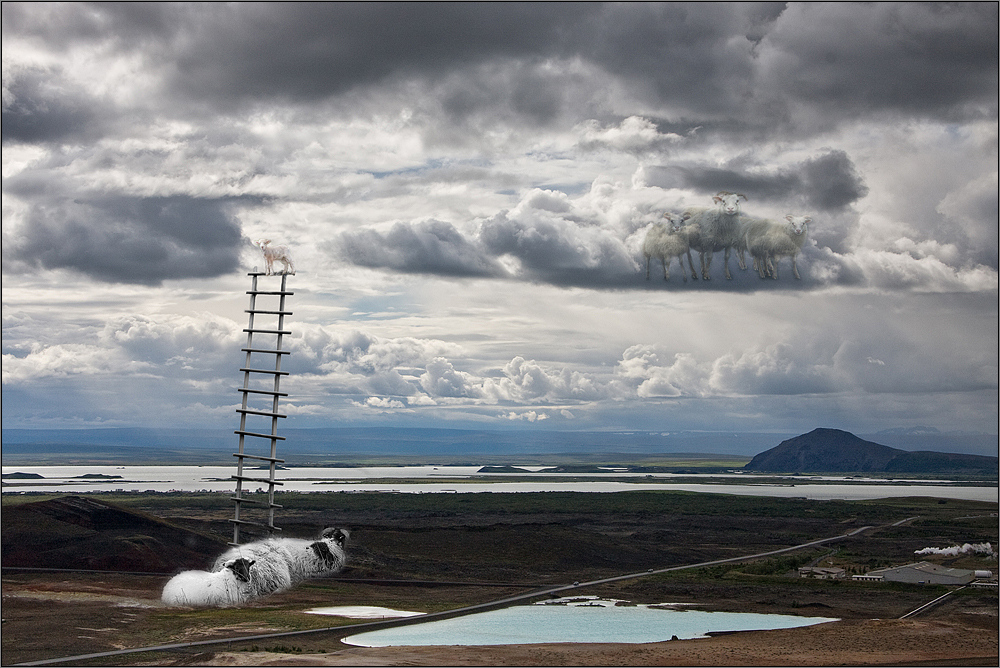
pixel 431 479
pixel 580 621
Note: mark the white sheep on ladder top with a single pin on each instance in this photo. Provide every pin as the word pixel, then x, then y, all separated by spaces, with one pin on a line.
pixel 272 253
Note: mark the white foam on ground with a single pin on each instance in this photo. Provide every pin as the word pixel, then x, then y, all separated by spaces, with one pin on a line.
pixel 362 612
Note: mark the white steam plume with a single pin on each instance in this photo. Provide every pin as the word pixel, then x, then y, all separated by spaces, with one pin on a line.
pixel 955 550
pixel 250 571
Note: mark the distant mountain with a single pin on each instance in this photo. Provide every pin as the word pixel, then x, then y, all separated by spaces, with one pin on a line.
pixel 910 431
pixel 833 450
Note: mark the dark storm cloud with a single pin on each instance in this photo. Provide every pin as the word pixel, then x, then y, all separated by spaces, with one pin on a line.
pixel 65 24
pixel 734 59
pixel 684 52
pixel 560 251
pixel 432 247
pixel 554 250
pixel 831 182
pixel 40 106
pixel 828 182
pixel 916 57
pixel 313 50
pixel 748 62
pixel 141 240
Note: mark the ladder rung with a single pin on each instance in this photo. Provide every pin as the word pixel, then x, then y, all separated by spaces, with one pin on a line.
pixel 271 392
pixel 265 350
pixel 256 524
pixel 253 433
pixel 266 481
pixel 241 499
pixel 276 373
pixel 268 312
pixel 265 413
pixel 269 292
pixel 266 459
pixel 267 331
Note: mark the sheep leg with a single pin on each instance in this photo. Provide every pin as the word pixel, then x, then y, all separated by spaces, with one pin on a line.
pixel 795 270
pixel 680 261
pixel 729 276
pixel 741 256
pixel 666 272
pixel 706 265
pixel 772 263
pixel 694 274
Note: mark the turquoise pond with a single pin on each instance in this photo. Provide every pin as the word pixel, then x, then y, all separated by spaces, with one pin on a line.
pixel 577 620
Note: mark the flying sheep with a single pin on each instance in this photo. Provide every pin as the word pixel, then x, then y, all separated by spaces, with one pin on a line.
pixel 768 241
pixel 667 242
pixel 247 572
pixel 719 228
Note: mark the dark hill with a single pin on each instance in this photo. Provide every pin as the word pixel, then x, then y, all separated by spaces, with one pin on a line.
pixel 81 533
pixel 833 450
pixel 947 463
pixel 825 450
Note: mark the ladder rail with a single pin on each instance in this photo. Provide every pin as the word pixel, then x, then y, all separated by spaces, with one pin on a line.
pixel 268 411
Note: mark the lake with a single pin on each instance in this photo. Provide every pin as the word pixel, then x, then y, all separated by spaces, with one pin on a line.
pixel 579 620
pixel 450 479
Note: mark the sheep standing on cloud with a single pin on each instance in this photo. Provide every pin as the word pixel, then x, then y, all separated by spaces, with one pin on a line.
pixel 251 571
pixel 720 230
pixel 768 241
pixel 725 227
pixel 667 242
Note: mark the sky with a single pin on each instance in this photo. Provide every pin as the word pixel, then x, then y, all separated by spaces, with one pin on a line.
pixel 465 189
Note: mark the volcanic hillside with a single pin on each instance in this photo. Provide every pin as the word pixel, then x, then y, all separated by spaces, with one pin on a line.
pixel 83 533
pixel 833 450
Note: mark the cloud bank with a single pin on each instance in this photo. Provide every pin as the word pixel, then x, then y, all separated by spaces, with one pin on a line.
pixel 466 188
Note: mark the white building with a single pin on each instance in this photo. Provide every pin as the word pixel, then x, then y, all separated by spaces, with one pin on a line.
pixel 921 572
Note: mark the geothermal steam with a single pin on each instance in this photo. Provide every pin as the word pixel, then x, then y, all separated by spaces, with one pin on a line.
pixel 955 550
pixel 250 571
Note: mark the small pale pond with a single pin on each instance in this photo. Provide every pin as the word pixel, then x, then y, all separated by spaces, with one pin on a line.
pixel 577 620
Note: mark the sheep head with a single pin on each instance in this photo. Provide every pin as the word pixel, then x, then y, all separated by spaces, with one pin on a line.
pixel 675 221
pixel 241 568
pixel 797 224
pixel 728 202
pixel 339 536
pixel 261 243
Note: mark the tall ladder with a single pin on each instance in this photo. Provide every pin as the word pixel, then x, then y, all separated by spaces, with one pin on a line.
pixel 256 385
